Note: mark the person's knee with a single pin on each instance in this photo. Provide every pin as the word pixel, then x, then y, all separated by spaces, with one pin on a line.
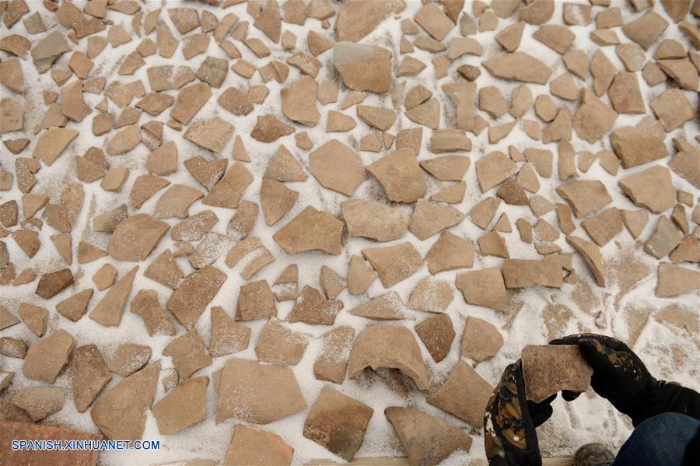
pixel 675 423
pixel 659 440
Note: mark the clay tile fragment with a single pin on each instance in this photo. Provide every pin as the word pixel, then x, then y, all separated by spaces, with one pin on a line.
pixel 120 413
pixel 52 283
pixel 585 196
pixel 130 358
pixel 646 30
pixel 279 344
pixel 480 341
pixel 156 320
pixel 312 308
pixel 188 353
pixel 384 307
pixel 388 346
pixel 484 288
pixel 591 253
pixel 675 280
pixel 426 439
pixel 211 134
pixel 251 444
pixel 194 294
pixel 437 334
pixel 135 237
pixel 493 169
pixel 39 402
pixel 400 176
pixel 549 369
pixel 651 188
pixel 89 375
pixel 363 67
pixel 338 423
pixel 227 336
pixel 259 393
pixel 394 263
pixel 333 361
pixel 636 147
pixel 518 66
pixel 464 394
pixel 255 301
pixel 269 128
pixel 358 19
pixel 182 407
pixel 375 221
pixel 311 230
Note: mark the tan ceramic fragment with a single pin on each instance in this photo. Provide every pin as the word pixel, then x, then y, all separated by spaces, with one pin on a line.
pixel 146 305
pixel 493 169
pixel 375 221
pixel 182 407
pixel 259 393
pixel 672 109
pixel 650 188
pixel 675 280
pixel 663 240
pixel 121 412
pixel 175 201
pixel 269 128
pixel 74 307
pixel 384 345
pixel 518 66
pixel 230 188
pixel 188 354
pixel 337 167
pixel 360 276
pixel 311 229
pixel 210 134
pixel 129 358
pixel 429 219
pixel 227 336
pixel 483 212
pixel 89 374
pixel 464 394
pixel 384 307
pixel 480 340
pixel 279 344
pixel 255 301
pixel 646 30
pixel 46 357
pixel 52 283
pixel 34 317
pixel 312 308
pixel 299 102
pixel 363 67
pixel 425 438
pixel 194 294
pixel 333 361
pixel 484 288
pixel 400 176
pixel 394 263
pixel 604 227
pixel 585 196
pixel 437 334
pixel 551 368
pixel 591 253
pixel 39 402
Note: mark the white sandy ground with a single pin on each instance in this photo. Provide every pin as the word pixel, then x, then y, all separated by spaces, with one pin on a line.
pixel 669 352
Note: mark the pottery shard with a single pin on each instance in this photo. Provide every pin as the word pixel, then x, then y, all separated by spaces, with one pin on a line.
pixel 279 344
pixel 672 109
pixel 636 147
pixel 39 402
pixel 593 118
pixel 520 273
pixel 450 252
pixel 121 412
pixel 129 358
pixel 230 188
pixel 686 163
pixel 52 143
pixel 664 239
pixel 493 169
pixel 124 141
pixel 227 336
pixel 464 394
pixel 188 354
pixel 34 317
pixel 592 255
pixel 337 167
pixel 651 189
pixel 480 341
pixel 258 393
pixel 380 118
pixel 426 439
pixel 46 357
pixel 276 200
pixel 360 276
pixel 251 445
pixel 190 100
pixel 33 432
pixel 135 237
pixel 363 67
pixel 255 301
pixel 675 280
pixel 394 263
pixel 235 102
pixel 646 29
pixel 165 270
pixel 385 307
pixel 50 284
pixel 299 101
pixel 374 221
pixel 549 369
pixel 430 218
pixel 182 407
pixel 391 347
pixel 604 227
pixel 484 288
pixel 146 305
pixel 7 319
pixel 338 423
pixel 269 128
pixel 311 230
pixel 75 307
pixel 518 66
pixel 211 134
pixel 358 19
pixel 333 361
pixel 434 21
pixel 437 334
pixel 585 196
pixel 625 94
pixel 312 308
pixel 448 168
pixel 89 375
pixel 110 309
pixel 194 294
pixel 400 176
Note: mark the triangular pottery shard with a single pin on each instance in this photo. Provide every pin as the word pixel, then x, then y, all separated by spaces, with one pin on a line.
pixel 388 346
pixel 548 369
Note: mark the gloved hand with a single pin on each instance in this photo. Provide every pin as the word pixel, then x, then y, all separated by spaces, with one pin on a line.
pixel 509 428
pixel 618 374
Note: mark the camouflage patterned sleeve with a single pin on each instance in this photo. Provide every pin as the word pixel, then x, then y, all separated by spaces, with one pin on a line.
pixel 509 432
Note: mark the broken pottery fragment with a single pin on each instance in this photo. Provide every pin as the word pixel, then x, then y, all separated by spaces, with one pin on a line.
pixel 464 394
pixel 549 369
pixel 384 345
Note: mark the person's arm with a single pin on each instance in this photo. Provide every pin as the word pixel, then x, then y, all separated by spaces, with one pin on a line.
pixel 623 379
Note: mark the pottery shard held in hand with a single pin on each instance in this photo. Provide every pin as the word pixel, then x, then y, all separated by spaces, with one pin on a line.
pixel 363 67
pixel 311 230
pixel 388 346
pixel 338 423
pixel 549 369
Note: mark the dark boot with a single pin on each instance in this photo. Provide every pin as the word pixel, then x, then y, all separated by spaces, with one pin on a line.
pixel 593 454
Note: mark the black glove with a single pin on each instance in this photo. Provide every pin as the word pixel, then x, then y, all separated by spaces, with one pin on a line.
pixel 618 375
pixel 509 428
